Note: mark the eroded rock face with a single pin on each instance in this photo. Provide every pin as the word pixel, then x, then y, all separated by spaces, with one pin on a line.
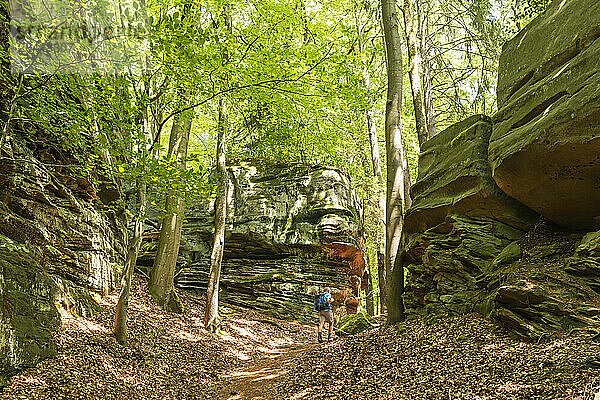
pixel 459 220
pixel 455 178
pixel 56 249
pixel 545 146
pixel 468 247
pixel 292 229
pixel 551 284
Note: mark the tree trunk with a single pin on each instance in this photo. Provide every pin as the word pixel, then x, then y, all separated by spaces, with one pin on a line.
pixel 427 86
pixel 381 209
pixel 212 295
pixel 381 275
pixel 414 63
pixel 396 162
pixel 161 278
pixel 376 162
pixel 211 316
pixel 120 325
pixel 120 328
pixel 369 295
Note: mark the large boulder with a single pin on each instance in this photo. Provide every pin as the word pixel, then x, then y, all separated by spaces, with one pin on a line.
pixel 59 245
pixel 469 247
pixel 291 230
pixel 455 178
pixel 459 220
pixel 545 146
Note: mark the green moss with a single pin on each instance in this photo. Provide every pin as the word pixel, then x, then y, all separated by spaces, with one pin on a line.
pixel 352 324
pixel 28 309
pixel 509 254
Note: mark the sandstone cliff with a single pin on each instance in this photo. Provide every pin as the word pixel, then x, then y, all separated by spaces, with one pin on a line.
pixel 291 229
pixel 59 244
pixel 468 245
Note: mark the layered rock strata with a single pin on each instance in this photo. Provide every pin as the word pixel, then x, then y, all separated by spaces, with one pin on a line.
pixel 467 245
pixel 59 245
pixel 292 229
pixel 545 146
pixel 459 220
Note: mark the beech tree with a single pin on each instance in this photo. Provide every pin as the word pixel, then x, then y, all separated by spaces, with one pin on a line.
pixel 161 283
pixel 397 165
pixel 120 327
pixel 216 258
pixel 414 64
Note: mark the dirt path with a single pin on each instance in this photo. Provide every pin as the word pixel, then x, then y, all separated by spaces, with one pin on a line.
pixel 254 382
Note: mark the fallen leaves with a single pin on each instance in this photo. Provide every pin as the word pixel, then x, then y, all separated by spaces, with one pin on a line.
pixel 173 357
pixel 457 358
pixel 170 356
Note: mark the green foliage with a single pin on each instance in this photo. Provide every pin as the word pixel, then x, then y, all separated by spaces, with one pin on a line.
pixel 297 77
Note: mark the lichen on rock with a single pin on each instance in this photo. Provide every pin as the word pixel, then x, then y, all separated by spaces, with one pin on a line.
pixel 292 229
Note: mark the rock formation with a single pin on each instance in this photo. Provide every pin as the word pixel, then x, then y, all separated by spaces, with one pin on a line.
pixel 459 220
pixel 58 246
pixel 467 245
pixel 292 229
pixel 545 146
pixel 546 281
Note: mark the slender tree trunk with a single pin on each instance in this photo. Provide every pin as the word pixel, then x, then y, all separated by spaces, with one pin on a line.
pixel 414 63
pixel 120 328
pixel 381 272
pixel 161 284
pixel 212 295
pixel 396 160
pixel 369 295
pixel 211 316
pixel 427 86
pixel 376 163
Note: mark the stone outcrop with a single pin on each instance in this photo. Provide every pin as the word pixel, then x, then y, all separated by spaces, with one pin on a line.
pixel 58 245
pixel 291 229
pixel 545 146
pixel 549 282
pixel 459 220
pixel 470 247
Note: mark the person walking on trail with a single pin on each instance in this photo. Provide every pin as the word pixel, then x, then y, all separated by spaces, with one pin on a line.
pixel 323 303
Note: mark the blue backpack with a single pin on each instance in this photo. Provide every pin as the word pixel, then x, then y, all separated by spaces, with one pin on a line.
pixel 321 302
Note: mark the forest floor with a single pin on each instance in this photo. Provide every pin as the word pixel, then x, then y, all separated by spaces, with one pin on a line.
pixel 258 357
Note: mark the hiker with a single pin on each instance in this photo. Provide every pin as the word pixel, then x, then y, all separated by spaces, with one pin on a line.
pixel 323 303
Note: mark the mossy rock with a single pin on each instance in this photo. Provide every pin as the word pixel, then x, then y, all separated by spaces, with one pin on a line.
pixel 546 137
pixel 352 324
pixel 508 255
pixel 27 314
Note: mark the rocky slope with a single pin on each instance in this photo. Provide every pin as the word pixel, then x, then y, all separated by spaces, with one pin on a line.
pixel 467 244
pixel 292 229
pixel 59 245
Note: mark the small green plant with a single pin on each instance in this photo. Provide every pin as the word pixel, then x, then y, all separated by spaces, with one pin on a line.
pixel 401 328
pixel 14 247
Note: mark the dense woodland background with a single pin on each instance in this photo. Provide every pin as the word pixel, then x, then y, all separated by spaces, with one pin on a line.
pixel 291 81
pixel 106 146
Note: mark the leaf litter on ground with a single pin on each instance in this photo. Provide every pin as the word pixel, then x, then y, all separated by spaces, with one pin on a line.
pixel 172 356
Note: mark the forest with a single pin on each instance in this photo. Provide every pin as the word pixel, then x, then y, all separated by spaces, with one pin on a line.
pixel 300 199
